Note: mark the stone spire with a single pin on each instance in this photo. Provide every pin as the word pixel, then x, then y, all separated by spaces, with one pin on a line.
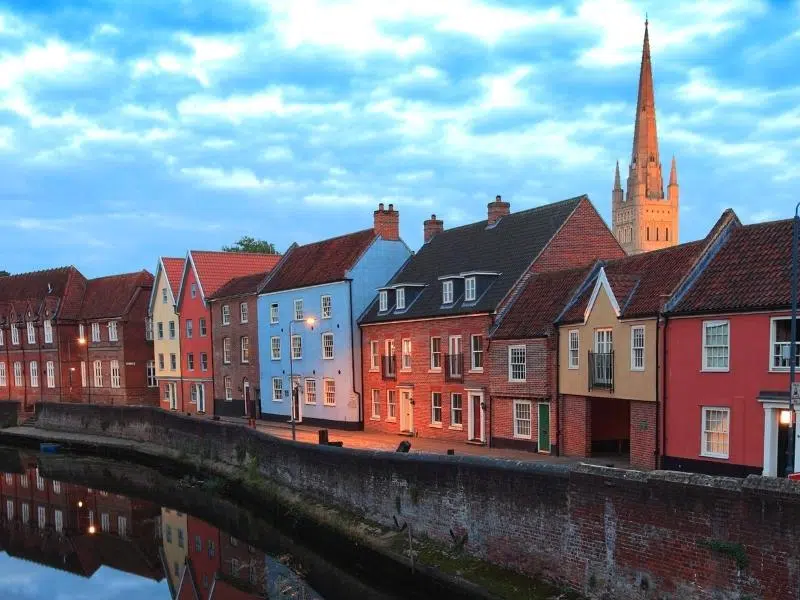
pixel 645 136
pixel 617 183
pixel 673 172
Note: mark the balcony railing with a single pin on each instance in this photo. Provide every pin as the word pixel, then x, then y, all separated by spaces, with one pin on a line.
pixel 601 370
pixel 454 367
pixel 781 355
pixel 389 366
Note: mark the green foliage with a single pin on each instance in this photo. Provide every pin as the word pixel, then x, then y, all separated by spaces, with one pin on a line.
pixel 733 550
pixel 4 273
pixel 251 244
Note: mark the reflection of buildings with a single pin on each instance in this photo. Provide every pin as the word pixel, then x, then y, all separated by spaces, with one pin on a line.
pixel 174 544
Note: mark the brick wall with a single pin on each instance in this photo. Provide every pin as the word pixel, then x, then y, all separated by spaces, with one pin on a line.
pixel 576 425
pixel 643 434
pixel 627 535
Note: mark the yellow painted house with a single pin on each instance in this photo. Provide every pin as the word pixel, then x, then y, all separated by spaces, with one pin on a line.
pixel 175 544
pixel 166 334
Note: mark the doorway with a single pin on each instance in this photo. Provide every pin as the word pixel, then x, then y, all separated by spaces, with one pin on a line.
pixel 476 418
pixel 246 395
pixel 201 397
pixel 406 412
pixel 297 409
pixel 544 427
pixel 172 394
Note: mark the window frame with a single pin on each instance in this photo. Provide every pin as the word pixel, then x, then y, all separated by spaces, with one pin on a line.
pixel 515 419
pixel 116 381
pixel 190 361
pixel 227 383
pixel 714 323
pixel 33 373
pixel 272 347
pixel 473 282
pixel 96 332
pixel 456 411
pixel 703 424
pixel 375 404
pixel 400 299
pixel 643 366
pixel 325 382
pixel 383 301
pixel 226 315
pixel 391 405
pixel 150 374
pixel 171 330
pixel 298 308
pixel 577 349
pixel 277 388
pixel 405 355
pixel 772 341
pixel 31 331
pixel 434 408
pixel 434 367
pixel 448 291
pixel 323 313
pixel 299 347
pixel 244 312
pixel 511 364
pixel 325 336
pixel 15 334
pixel 244 350
pixel 48 332
pixel 374 355
pixel 189 329
pixel 113 331
pixel 274 316
pixel 310 395
pixel 473 352
pixel 97 373
pixel 226 350
pixel 3 374
pixel 201 322
pixel 50 373
pixel 19 374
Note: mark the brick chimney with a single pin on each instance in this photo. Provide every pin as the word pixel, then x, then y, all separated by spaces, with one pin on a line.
pixel 433 226
pixel 498 209
pixel 387 222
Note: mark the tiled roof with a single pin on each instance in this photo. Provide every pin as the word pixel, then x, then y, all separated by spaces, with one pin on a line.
pixel 214 269
pixel 238 286
pixel 173 267
pixel 111 296
pixel 49 290
pixel 641 282
pixel 752 271
pixel 539 304
pixel 508 248
pixel 320 262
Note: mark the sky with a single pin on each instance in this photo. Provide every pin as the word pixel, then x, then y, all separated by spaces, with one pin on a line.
pixel 133 129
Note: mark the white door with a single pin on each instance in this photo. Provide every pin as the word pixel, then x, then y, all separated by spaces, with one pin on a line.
pixel 246 397
pixel 201 397
pixel 297 408
pixel 476 413
pixel 406 412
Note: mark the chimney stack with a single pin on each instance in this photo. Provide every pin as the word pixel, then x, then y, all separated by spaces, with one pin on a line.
pixel 432 227
pixel 387 223
pixel 498 209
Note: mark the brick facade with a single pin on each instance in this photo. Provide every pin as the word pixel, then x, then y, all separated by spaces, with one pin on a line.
pixel 643 435
pixel 576 425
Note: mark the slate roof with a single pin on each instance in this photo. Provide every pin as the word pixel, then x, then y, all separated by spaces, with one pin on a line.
pixel 214 269
pixel 173 267
pixel 752 271
pixel 58 289
pixel 239 286
pixel 538 305
pixel 508 248
pixel 318 263
pixel 640 282
pixel 112 296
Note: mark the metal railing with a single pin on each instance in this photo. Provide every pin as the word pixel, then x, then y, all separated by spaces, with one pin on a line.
pixel 601 370
pixel 389 366
pixel 454 367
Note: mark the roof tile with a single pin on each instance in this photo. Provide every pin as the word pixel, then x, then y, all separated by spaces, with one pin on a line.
pixel 238 286
pixel 174 269
pixel 111 296
pixel 214 269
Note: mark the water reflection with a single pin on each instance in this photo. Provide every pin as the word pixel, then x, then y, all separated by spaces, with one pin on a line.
pixel 79 530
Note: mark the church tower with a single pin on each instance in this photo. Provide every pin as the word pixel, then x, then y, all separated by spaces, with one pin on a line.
pixel 643 219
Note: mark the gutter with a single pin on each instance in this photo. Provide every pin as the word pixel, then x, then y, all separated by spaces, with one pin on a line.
pixel 353 354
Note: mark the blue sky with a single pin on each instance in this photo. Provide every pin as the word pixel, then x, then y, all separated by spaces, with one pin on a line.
pixel 130 130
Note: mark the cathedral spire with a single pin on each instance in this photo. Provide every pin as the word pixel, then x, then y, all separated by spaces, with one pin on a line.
pixel 645 137
pixel 617 183
pixel 673 172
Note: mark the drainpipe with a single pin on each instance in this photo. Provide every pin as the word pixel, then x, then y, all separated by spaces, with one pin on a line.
pixel 489 398
pixel 353 355
pixel 9 374
pixel 660 376
pixel 42 371
pixel 554 391
pixel 662 428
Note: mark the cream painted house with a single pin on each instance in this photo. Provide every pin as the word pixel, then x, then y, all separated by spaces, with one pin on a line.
pixel 166 334
pixel 175 544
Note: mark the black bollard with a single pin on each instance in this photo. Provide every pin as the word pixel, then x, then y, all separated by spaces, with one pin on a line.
pixel 404 446
pixel 323 437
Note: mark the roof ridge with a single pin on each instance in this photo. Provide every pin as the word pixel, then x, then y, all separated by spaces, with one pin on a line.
pixel 40 271
pixel 338 237
pixel 223 252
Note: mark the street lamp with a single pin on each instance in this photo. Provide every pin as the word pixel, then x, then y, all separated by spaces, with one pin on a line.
pixel 293 395
pixel 82 341
pixel 793 348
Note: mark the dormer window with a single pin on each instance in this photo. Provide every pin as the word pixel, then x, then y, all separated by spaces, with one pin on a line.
pixel 469 289
pixel 447 292
pixel 400 299
pixel 383 301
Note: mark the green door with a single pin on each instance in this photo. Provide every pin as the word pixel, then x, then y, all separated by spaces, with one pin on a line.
pixel 544 427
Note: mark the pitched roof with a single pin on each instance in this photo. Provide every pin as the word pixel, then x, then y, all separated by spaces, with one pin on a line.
pixel 111 296
pixel 641 283
pixel 238 286
pixel 214 269
pixel 321 262
pixel 507 248
pixel 751 271
pixel 539 304
pixel 56 290
pixel 173 268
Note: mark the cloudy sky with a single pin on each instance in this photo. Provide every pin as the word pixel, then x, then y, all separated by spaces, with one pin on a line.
pixel 134 129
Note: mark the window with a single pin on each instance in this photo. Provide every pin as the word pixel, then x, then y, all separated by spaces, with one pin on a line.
pixel 189 328
pixel 151 371
pixel 456 410
pixel 522 419
pixel 574 349
pixel 161 361
pixel 3 375
pixel 637 348
pixel 400 299
pixel 716 432
pixel 516 363
pixel 122 526
pixel 18 380
pixel 194 290
pixel 56 487
pixel 83 373
pixel 226 314
pixel 98 374
pixel 48 331
pixel 391 405
pixel 447 292
pixel 326 307
pixel 226 350
pixel 297 347
pixel 244 313
pixel 15 334
pixel 41 514
pixel 781 344
pixel 203 361
pixel 112 331
pixel 244 349
pixel 228 387
pixel 715 345
pixel 172 330
pixel 298 309
pixel 376 404
pixel 374 355
pixel 436 353
pixel 327 346
pixel 59 521
pixel 95 332
pixel 273 313
pixel 212 549
pixel 436 408
pixel 203 330
pixel 26 509
pixel 477 352
pixel 277 389
pixel 50 372
pixel 163 295
pixel 406 355
pixel 34 373
pixel 168 534
pixel 180 538
pixel 190 361
pixel 31 333
pixel 311 391
pixel 115 378
pixel 198 543
pixel 105 522
pixel 383 301
pixel 23 480
pixel 469 289
pixel 329 390
pixel 148 329
pixel 39 481
pixel 160 330
pixel 2 338
pixel 10 509
pixel 173 362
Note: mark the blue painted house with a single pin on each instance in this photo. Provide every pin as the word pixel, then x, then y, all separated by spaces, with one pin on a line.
pixel 307 322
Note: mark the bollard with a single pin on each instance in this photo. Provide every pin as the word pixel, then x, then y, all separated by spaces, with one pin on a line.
pixel 323 437
pixel 404 446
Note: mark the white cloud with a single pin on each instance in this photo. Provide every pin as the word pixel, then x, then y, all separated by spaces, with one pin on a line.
pixel 235 179
pixel 54 59
pixel 18 104
pixel 415 176
pixel 211 49
pixel 701 87
pixel 107 29
pixel 218 143
pixel 502 91
pixel 277 154
pixel 751 151
pixel 207 56
pixel 146 112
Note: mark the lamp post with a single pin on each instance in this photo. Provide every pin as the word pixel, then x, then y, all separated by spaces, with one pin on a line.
pixel 83 342
pixel 793 347
pixel 310 321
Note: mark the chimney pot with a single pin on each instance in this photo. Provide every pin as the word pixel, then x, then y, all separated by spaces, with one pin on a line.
pixel 391 207
pixel 497 210
pixel 497 198
pixel 431 228
pixel 387 223
pixel 380 206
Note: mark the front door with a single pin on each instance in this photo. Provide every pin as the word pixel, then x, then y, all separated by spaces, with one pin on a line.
pixel 246 396
pixel 544 427
pixel 172 391
pixel 201 397
pixel 476 417
pixel 406 412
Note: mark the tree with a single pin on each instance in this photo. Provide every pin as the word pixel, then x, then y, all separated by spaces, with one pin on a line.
pixel 251 244
pixel 4 273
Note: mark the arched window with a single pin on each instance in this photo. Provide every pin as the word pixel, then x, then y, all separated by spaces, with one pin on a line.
pixel 656 233
pixel 648 234
pixel 667 238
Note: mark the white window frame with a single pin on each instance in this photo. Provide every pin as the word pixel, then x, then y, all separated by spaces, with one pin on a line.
pixel 405 354
pixel 203 361
pixel 173 361
pixel 383 301
pixel 277 389
pixel 172 331
pixel 511 350
pixel 19 374
pixel 15 334
pixel 376 405
pixel 773 342
pixel 244 312
pixel 325 346
pixel 190 361
pixel 3 375
pixel 113 334
pixel 434 354
pixel 470 289
pixel 244 350
pixel 226 350
pixel 2 337
pixel 97 370
pixel 201 324
pixel 434 421
pixel 84 376
pixel 296 347
pixel 95 332
pixel 374 355
pixel 400 299
pixel 326 307
pixel 31 332
pixel 50 372
pixel 275 347
pixel 706 326
pixel 473 352
pixel 573 350
pixel 634 330
pixel 447 292
pixel 81 332
pixel 311 390
pixel 150 374
pixel 391 405
pixel 299 309
pixel 226 314
pixel 326 383
pixel 273 313
pixel 33 371
pixel 516 420
pixel 227 383
pixel 159 330
pixel 703 425
pixel 193 290
pixel 48 332
pixel 454 410
pixel 115 377
pixel 148 329
pixel 189 329
pixel 163 295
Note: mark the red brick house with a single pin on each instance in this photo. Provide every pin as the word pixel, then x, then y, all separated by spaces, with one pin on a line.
pixel 234 321
pixel 425 337
pixel 203 275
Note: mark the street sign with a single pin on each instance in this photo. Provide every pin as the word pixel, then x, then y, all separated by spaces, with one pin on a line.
pixel 796 391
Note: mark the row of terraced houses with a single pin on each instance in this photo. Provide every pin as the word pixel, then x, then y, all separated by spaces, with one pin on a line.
pixel 542 329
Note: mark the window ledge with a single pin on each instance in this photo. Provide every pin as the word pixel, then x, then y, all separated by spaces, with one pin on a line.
pixel 374 418
pixel 517 380
pixel 391 419
pixel 375 370
pixel 638 369
pixel 435 370
pixel 476 370
pixel 277 400
pixel 330 405
pixel 707 370
pixel 456 427
pixel 405 370
pixel 436 425
pixel 522 437
pixel 717 456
